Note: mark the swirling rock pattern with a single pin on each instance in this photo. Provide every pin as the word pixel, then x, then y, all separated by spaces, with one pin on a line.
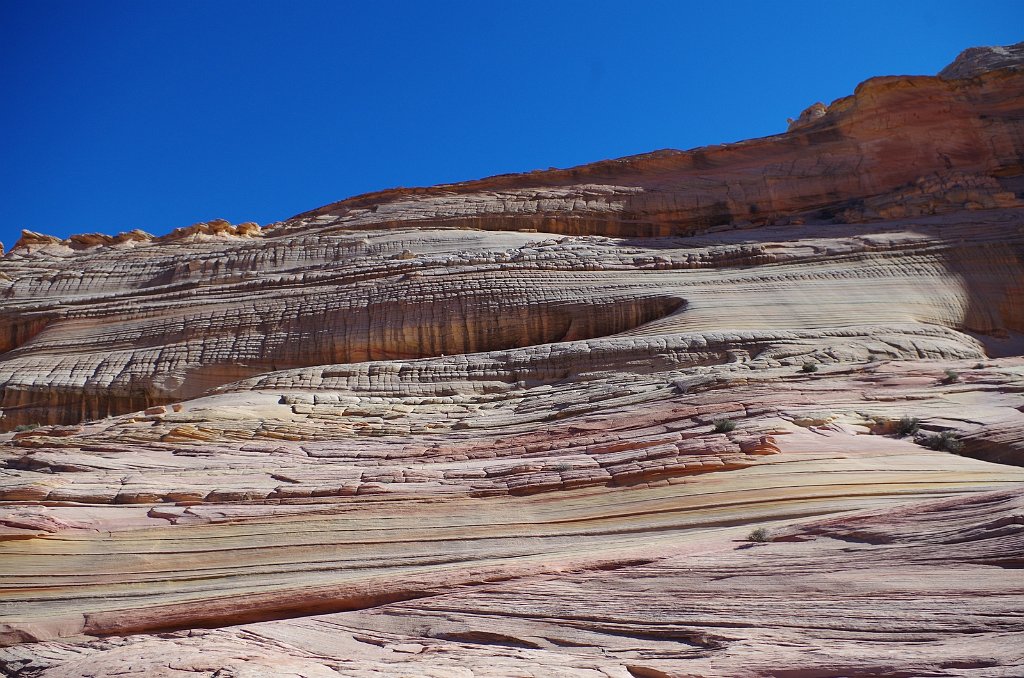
pixel 523 425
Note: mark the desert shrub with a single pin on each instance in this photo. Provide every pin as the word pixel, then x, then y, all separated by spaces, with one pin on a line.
pixel 907 426
pixel 946 441
pixel 809 367
pixel 563 467
pixel 724 425
pixel 759 535
pixel 952 376
pixel 26 427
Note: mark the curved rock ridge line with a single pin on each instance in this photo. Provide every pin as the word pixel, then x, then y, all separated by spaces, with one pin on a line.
pixel 848 154
pixel 748 410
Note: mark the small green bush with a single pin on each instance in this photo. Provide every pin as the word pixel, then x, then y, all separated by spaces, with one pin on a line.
pixel 952 376
pixel 809 367
pixel 26 427
pixel 907 426
pixel 759 535
pixel 946 441
pixel 724 425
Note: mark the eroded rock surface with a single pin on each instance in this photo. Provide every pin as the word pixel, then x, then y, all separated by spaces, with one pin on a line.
pixel 523 425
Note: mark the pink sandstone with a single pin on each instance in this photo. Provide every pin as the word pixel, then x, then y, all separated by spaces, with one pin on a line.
pixel 524 425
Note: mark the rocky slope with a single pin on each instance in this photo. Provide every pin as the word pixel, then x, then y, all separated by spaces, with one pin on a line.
pixel 521 426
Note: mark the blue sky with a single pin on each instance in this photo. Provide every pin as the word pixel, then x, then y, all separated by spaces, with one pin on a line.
pixel 153 115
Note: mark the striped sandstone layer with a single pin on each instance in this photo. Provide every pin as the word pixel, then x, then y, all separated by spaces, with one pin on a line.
pixel 476 430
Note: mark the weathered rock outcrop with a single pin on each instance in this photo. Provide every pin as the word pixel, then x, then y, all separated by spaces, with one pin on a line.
pixel 522 425
pixel 977 61
pixel 718 608
pixel 126 322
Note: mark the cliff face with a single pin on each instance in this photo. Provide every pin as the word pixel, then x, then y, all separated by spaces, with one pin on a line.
pixel 470 426
pixel 116 324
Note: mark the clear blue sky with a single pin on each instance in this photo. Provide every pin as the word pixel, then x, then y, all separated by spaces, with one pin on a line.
pixel 153 115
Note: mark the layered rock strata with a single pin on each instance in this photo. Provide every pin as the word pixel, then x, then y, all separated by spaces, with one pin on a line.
pixel 522 426
pixel 750 610
pixel 121 323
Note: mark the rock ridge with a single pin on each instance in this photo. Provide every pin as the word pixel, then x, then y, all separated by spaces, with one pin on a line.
pixel 746 410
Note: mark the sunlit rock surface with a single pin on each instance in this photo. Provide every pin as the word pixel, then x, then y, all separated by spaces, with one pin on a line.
pixel 524 425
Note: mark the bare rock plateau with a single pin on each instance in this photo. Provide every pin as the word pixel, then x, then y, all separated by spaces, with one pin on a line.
pixel 746 410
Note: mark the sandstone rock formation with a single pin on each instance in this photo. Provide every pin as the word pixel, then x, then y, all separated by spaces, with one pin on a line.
pixel 522 425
